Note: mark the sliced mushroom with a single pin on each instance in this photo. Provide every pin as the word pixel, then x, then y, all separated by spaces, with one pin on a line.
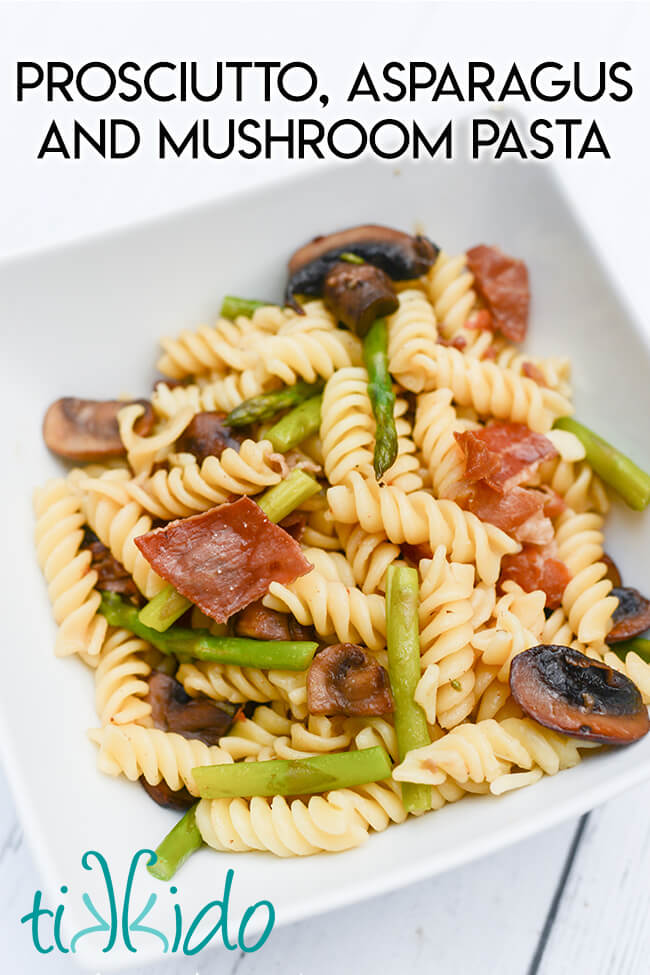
pixel 86 429
pixel 564 690
pixel 207 436
pixel 632 615
pixel 357 294
pixel 166 797
pixel 400 255
pixel 613 574
pixel 111 574
pixel 343 679
pixel 260 623
pixel 172 709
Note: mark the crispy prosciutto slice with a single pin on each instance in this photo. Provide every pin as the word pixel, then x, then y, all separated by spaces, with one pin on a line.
pixel 503 454
pixel 512 512
pixel 498 458
pixel 224 558
pixel 502 283
pixel 537 568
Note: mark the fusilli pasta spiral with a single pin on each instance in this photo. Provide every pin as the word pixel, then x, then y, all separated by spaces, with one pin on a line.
pixel 120 679
pixel 418 517
pixel 586 599
pixel 66 566
pixel 132 751
pixel 189 487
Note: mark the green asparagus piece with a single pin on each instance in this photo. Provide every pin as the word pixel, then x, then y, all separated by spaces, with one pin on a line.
pixel 164 609
pixel 637 645
pixel 280 500
pixel 200 644
pixel 179 844
pixel 232 307
pixel 611 465
pixel 269 404
pixel 302 776
pixel 296 426
pixel 351 258
pixel 382 397
pixel 403 645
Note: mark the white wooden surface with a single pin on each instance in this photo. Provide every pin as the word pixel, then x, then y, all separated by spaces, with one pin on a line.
pixel 570 901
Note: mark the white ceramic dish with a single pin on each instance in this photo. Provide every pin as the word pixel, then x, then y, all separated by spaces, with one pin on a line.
pixel 84 320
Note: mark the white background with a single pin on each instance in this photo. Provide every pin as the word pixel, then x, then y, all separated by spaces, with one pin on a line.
pixel 575 899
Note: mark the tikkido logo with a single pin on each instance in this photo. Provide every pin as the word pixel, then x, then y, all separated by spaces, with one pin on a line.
pixel 125 921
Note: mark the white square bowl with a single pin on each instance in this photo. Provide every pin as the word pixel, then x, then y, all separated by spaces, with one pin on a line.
pixel 84 320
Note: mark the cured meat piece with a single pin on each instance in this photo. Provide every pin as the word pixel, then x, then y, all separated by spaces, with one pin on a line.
pixel 503 454
pixel 506 511
pixel 224 558
pixel 537 568
pixel 502 283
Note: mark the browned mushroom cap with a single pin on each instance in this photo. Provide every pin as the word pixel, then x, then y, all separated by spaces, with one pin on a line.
pixel 564 690
pixel 207 436
pixel 400 255
pixel 632 615
pixel 166 797
pixel 357 294
pixel 111 574
pixel 86 429
pixel 260 623
pixel 343 679
pixel 172 709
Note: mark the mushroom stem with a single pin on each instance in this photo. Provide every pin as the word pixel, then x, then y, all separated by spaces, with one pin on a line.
pixel 403 645
pixel 179 844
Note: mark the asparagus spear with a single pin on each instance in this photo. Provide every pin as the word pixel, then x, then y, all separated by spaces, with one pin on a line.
pixel 179 844
pixel 164 609
pixel 232 307
pixel 295 777
pixel 637 645
pixel 276 503
pixel 611 465
pixel 269 404
pixel 403 645
pixel 280 500
pixel 185 642
pixel 292 429
pixel 382 397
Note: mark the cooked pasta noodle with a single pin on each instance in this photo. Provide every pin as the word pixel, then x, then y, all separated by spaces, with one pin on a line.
pixel 120 679
pixel 334 609
pixel 159 756
pixel 67 570
pixel 446 632
pixel 586 599
pixel 188 487
pixel 484 596
pixel 418 517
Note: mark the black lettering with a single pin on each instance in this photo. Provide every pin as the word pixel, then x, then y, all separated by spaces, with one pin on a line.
pixel 22 83
pixel 363 77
